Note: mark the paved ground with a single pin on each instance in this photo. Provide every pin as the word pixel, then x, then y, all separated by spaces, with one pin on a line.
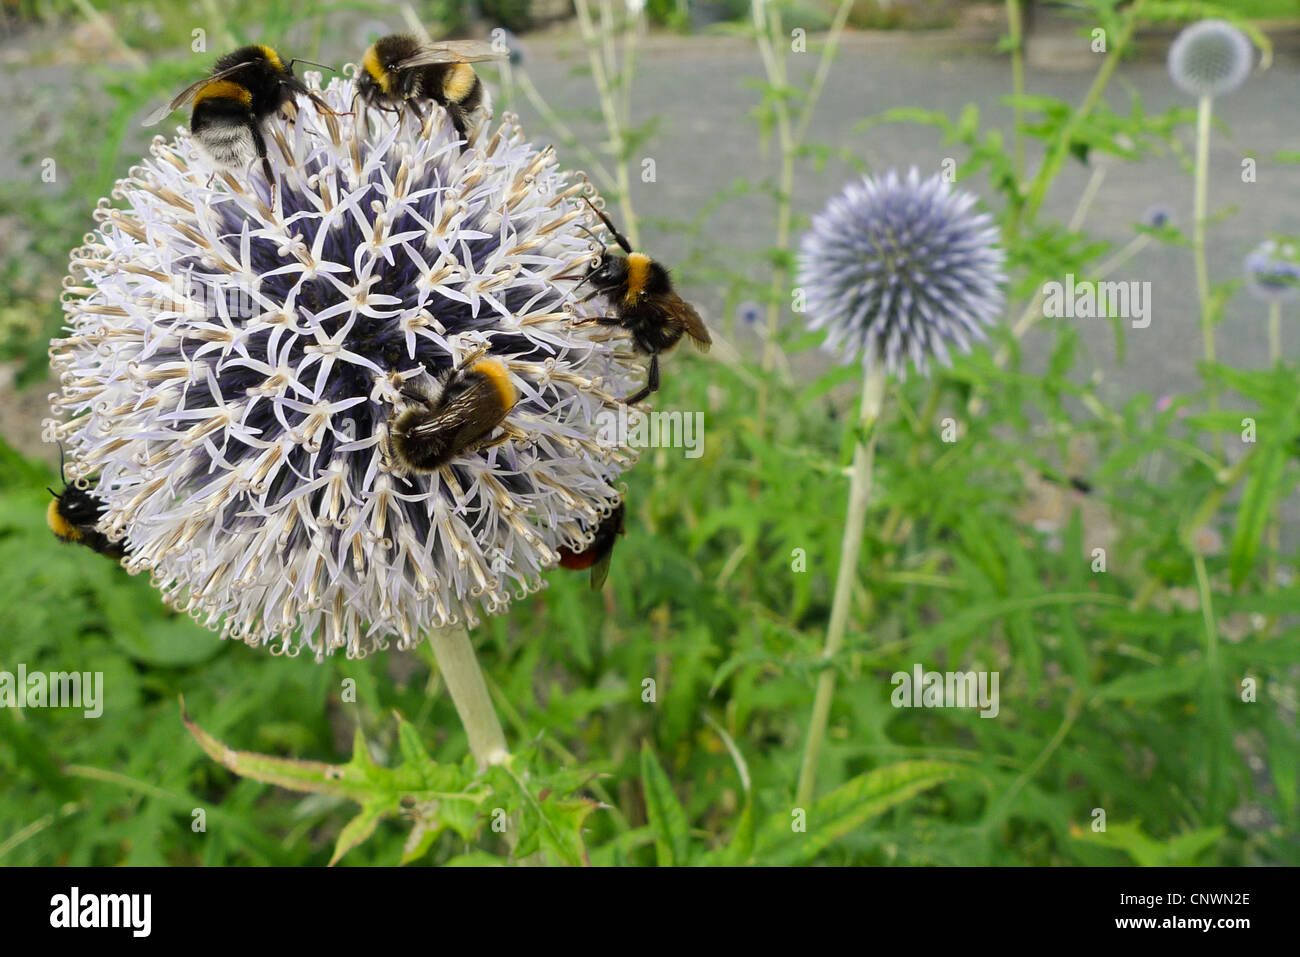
pixel 707 141
pixel 699 87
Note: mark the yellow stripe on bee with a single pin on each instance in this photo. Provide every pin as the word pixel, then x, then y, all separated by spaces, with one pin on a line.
pixel 223 90
pixel 459 82
pixel 272 58
pixel 638 271
pixel 59 525
pixel 370 63
pixel 497 374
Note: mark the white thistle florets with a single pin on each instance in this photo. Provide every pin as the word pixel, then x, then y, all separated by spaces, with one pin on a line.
pixel 232 369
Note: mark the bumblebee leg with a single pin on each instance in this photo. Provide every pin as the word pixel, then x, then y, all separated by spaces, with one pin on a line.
pixel 651 385
pixel 259 144
pixel 418 110
pixel 460 122
pixel 493 443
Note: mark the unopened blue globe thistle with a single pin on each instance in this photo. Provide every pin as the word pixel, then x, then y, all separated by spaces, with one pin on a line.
pixel 900 269
pixel 1210 58
pixel 1273 272
pixel 1157 217
pixel 231 371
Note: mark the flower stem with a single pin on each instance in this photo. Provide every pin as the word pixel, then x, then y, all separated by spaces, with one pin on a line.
pixel 873 394
pixel 1274 333
pixel 1201 201
pixel 460 670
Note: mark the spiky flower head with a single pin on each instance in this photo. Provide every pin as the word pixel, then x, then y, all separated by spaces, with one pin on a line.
pixel 1273 271
pixel 231 371
pixel 897 269
pixel 1210 58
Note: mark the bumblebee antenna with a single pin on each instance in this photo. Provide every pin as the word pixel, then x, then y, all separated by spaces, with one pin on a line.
pixel 627 247
pixel 299 59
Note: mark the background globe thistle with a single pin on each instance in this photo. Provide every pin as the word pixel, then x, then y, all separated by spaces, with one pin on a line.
pixel 230 373
pixel 1273 272
pixel 899 269
pixel 1210 58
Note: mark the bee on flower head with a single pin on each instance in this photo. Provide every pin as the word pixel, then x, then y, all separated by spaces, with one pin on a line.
pixel 598 555
pixel 642 300
pixel 402 71
pixel 473 399
pixel 246 87
pixel 73 515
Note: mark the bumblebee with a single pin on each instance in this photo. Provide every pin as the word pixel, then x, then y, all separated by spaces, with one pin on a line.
pixel 598 554
pixel 72 517
pixel 641 296
pixel 402 70
pixel 474 399
pixel 245 88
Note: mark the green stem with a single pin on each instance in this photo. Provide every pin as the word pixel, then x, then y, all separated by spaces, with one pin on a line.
pixel 1213 700
pixel 873 394
pixel 464 679
pixel 1015 26
pixel 1061 147
pixel 1274 333
pixel 1201 202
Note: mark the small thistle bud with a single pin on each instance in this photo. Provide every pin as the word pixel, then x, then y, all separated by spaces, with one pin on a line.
pixel 898 270
pixel 1157 217
pixel 1210 58
pixel 232 370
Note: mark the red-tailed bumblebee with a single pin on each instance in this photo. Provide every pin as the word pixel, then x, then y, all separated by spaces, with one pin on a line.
pixel 474 399
pixel 598 554
pixel 640 294
pixel 245 88
pixel 401 70
pixel 72 517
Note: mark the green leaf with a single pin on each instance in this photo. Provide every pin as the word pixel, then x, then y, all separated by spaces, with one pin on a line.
pixel 359 829
pixel 1127 836
pixel 848 807
pixel 1152 684
pixel 1254 511
pixel 667 817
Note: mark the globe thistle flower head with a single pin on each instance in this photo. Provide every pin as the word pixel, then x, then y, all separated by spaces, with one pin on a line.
pixel 1210 58
pixel 1273 272
pixel 231 370
pixel 900 270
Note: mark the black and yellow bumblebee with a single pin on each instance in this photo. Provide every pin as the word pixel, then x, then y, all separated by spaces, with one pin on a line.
pixel 599 553
pixel 474 399
pixel 245 88
pixel 72 517
pixel 401 70
pixel 641 296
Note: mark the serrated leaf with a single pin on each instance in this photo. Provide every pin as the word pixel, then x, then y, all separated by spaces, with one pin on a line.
pixel 667 817
pixel 1127 836
pixel 848 807
pixel 358 830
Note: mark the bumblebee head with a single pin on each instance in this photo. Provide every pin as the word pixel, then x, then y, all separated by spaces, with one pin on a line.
pixel 608 272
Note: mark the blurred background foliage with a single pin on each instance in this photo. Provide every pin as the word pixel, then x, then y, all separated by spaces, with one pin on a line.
pixel 1121 689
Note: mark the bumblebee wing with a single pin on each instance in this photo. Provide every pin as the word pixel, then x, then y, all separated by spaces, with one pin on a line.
pixel 450 51
pixel 187 94
pixel 458 411
pixel 682 311
pixel 600 570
